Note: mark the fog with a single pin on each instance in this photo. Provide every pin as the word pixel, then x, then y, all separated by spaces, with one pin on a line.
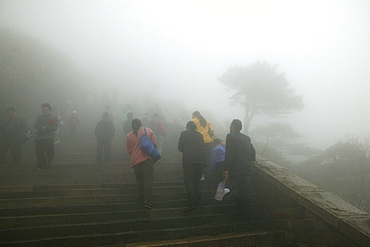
pixel 178 49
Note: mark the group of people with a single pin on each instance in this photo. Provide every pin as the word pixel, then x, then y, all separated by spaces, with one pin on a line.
pixel 216 162
pixel 204 157
pixel 105 130
pixel 14 132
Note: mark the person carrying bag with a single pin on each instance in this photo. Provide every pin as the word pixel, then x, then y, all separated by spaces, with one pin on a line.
pixel 138 142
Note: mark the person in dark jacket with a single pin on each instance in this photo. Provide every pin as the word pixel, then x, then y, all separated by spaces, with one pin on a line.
pixel 127 125
pixel 193 161
pixel 238 158
pixel 13 130
pixel 46 126
pixel 104 132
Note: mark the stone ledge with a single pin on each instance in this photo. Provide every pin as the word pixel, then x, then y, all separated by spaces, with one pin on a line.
pixel 347 219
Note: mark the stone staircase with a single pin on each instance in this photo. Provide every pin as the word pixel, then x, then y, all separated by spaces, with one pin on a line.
pixel 79 202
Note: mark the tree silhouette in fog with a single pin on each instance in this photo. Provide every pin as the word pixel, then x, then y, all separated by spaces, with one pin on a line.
pixel 272 136
pixel 344 168
pixel 260 90
pixel 32 72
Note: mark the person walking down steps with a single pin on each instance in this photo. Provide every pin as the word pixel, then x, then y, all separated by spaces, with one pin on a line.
pixel 46 125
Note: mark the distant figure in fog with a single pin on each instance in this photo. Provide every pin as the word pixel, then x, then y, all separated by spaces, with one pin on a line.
pixel 143 164
pixel 46 126
pixel 104 132
pixel 127 125
pixel 238 160
pixel 155 109
pixel 124 117
pixel 145 120
pixel 13 131
pixel 193 161
pixel 157 125
pixel 109 111
pixel 206 129
pixel 169 121
pixel 73 123
pixel 167 116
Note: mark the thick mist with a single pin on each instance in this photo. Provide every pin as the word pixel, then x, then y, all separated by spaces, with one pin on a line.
pixel 178 50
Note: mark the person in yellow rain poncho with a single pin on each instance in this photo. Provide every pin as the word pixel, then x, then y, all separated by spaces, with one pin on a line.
pixel 206 129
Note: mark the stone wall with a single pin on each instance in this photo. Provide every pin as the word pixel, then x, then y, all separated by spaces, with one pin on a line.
pixel 309 215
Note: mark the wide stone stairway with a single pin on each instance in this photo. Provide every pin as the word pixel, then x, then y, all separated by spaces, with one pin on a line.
pixel 79 202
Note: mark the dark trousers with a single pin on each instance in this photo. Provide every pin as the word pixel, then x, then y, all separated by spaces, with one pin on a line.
pixel 14 144
pixel 208 153
pixel 219 173
pixel 103 149
pixel 144 174
pixel 192 175
pixel 239 183
pixel 44 152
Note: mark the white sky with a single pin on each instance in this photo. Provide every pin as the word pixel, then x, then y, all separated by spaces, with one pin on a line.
pixel 323 47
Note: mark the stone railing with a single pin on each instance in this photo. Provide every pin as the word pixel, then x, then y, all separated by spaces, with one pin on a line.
pixel 308 214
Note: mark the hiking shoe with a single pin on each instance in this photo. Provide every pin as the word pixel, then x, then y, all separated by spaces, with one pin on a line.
pixel 148 206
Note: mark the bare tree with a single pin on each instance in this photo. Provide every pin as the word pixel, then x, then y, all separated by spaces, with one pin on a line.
pixel 260 89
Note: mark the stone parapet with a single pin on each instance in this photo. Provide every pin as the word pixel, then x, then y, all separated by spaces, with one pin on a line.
pixel 322 216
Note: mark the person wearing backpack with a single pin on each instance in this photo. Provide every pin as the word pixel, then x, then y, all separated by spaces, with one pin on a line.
pixel 104 132
pixel 141 162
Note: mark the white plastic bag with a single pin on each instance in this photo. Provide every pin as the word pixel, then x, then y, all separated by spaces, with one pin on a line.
pixel 220 191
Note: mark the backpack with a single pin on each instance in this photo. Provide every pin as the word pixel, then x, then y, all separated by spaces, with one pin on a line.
pixel 148 148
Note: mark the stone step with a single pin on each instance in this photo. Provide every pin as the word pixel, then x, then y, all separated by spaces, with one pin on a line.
pixel 85 166
pixel 85 173
pixel 172 209
pixel 81 190
pixel 92 197
pixel 126 238
pixel 100 207
pixel 129 226
pixel 64 156
pixel 257 211
pixel 124 178
pixel 28 188
pixel 56 195
pixel 260 238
